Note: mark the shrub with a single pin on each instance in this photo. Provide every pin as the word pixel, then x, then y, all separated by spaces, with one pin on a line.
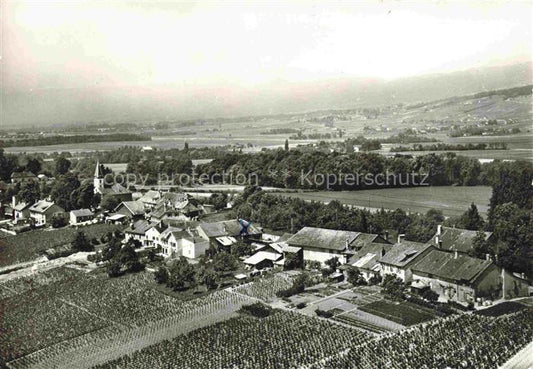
pixel 301 305
pixel 257 309
pixel 323 313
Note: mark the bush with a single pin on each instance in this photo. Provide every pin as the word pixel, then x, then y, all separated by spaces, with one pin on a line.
pixel 323 313
pixel 301 305
pixel 258 310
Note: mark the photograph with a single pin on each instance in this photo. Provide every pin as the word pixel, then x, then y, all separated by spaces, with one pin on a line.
pixel 301 184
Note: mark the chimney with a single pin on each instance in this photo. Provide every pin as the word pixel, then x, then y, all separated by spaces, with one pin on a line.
pixel 455 254
pixel 437 240
pixel 383 251
pixel 400 237
pixel 523 275
pixel 439 230
pixel 347 242
pixel 13 201
pixel 440 244
pixel 487 257
pixel 386 235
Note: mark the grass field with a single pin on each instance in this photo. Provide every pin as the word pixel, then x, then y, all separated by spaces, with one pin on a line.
pixel 404 313
pixel 29 245
pixel 452 200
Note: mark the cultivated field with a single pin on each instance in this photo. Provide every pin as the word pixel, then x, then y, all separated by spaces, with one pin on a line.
pixel 281 340
pixel 460 341
pixel 452 200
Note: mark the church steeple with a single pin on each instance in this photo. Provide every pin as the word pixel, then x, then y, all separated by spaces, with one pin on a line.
pixel 98 172
pixel 98 179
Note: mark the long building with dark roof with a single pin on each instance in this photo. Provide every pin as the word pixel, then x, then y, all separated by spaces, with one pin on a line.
pixel 462 278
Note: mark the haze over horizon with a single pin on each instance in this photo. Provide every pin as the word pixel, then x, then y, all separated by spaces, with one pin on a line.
pixel 92 60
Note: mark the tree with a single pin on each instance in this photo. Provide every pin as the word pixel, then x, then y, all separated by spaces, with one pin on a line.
pixel 513 229
pixel 109 203
pixel 224 262
pixel 355 277
pixel 182 274
pixel 129 259
pixel 61 192
pixel 513 185
pixel 241 249
pixel 30 192
pixel 430 295
pixel 7 165
pixel 186 147
pixel 112 249
pixel 292 261
pixel 218 200
pixel 479 245
pixel 393 287
pixel 58 221
pixel 113 269
pixel 333 263
pixel 161 275
pixel 83 196
pixel 286 145
pixel 62 165
pixel 207 277
pixel 33 165
pixel 81 243
pixel 471 219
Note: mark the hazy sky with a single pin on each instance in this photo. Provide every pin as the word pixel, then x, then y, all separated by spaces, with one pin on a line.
pixel 72 44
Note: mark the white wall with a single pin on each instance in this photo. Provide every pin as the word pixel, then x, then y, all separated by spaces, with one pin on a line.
pixel 322 256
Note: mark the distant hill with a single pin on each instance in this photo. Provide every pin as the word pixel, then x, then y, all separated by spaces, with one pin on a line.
pixel 45 107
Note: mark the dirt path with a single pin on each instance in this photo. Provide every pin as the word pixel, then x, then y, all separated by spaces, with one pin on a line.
pixel 41 264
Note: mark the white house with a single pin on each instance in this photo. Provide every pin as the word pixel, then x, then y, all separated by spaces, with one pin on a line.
pixel 81 216
pixel 401 257
pixel 42 212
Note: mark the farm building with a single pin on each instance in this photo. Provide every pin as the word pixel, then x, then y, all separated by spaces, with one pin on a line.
pixel 448 238
pixel 131 209
pixel 367 259
pixel 399 259
pixel 42 212
pixel 320 244
pixel 462 278
pixel 22 177
pixel 150 199
pixel 176 206
pixel 137 231
pixel 81 216
pixel 227 228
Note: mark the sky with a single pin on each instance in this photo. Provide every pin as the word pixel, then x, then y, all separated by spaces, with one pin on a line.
pixel 84 44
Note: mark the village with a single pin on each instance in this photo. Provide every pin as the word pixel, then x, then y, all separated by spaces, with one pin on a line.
pixel 170 225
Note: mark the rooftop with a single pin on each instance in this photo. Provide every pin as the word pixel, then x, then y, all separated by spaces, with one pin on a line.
pixel 225 228
pixel 403 253
pixel 448 265
pixel 457 239
pixel 322 238
pixel 82 212
pixel 41 206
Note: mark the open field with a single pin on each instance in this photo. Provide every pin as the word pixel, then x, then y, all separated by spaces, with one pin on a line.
pixel 29 245
pixel 452 200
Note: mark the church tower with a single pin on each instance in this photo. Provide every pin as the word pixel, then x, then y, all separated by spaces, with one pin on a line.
pixel 98 179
